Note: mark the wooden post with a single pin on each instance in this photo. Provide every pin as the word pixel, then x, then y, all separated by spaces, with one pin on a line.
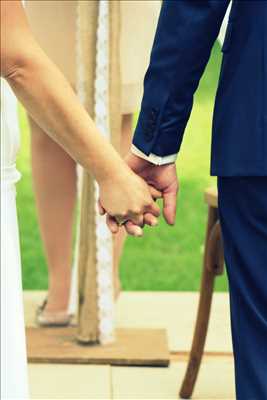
pixel 88 330
pixel 86 39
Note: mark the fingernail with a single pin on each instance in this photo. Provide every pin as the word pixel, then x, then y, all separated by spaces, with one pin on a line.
pixel 154 223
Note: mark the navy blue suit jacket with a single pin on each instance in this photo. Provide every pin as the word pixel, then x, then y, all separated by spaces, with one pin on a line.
pixel 185 35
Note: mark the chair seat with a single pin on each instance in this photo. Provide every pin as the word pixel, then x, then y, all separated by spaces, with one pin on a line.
pixel 211 197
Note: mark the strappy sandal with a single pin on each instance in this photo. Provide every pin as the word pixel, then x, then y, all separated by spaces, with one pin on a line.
pixel 52 319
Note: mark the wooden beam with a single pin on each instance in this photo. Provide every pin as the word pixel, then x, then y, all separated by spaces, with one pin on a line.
pixel 87 293
pixel 88 330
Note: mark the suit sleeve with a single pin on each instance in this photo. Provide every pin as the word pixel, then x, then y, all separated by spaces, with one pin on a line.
pixel 186 32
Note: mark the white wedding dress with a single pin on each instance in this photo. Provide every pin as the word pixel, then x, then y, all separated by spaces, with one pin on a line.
pixel 14 380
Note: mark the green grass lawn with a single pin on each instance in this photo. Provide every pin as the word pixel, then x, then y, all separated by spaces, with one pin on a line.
pixel 166 258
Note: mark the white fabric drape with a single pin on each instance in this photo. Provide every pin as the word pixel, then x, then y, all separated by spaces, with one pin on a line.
pixel 14 379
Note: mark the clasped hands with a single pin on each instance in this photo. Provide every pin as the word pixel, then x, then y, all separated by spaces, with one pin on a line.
pixel 132 197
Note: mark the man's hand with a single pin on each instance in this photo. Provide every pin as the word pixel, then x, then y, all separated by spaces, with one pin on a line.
pixel 125 196
pixel 163 178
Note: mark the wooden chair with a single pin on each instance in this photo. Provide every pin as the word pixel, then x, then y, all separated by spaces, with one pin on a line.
pixel 213 265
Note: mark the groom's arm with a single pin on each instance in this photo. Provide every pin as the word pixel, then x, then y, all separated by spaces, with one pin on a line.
pixel 186 32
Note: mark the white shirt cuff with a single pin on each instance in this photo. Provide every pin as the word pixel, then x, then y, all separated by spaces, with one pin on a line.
pixel 157 160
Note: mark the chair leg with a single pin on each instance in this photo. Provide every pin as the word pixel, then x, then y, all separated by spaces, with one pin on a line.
pixel 204 306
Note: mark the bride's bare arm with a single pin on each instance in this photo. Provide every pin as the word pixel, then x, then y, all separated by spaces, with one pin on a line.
pixel 51 102
pixel 46 94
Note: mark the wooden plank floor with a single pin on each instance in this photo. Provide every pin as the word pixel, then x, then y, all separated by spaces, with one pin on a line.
pixel 174 311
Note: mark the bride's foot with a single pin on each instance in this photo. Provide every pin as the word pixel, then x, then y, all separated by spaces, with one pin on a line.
pixel 49 318
pixel 54 310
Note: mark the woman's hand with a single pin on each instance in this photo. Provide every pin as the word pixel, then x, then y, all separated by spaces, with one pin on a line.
pixel 127 197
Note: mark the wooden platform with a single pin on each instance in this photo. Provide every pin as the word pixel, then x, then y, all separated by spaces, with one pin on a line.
pixel 138 347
